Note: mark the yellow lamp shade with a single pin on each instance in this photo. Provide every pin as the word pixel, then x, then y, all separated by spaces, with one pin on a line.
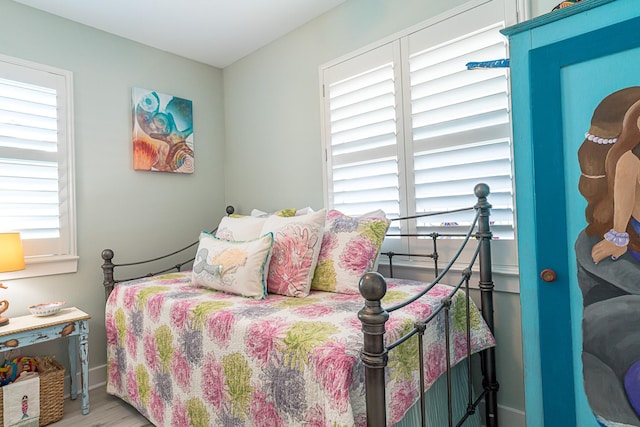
pixel 11 254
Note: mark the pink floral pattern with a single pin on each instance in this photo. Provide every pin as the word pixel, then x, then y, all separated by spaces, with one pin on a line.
pixel 264 413
pixel 180 314
pixel 292 257
pixel 314 310
pixel 203 360
pixel 404 395
pixel 219 326
pixel 180 417
pixel 358 255
pixel 332 366
pixel 350 247
pixel 329 243
pixel 180 371
pixel 213 386
pixel 154 306
pixel 112 332
pixel 132 344
pixel 263 338
pixel 157 406
pixel 297 243
pixel 150 351
pixel 315 417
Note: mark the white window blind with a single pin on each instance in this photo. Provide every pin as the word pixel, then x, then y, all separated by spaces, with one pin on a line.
pixel 363 149
pixel 409 129
pixel 461 129
pixel 36 159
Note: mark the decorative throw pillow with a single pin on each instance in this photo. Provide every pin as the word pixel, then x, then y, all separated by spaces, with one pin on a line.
pixel 295 252
pixel 350 248
pixel 240 228
pixel 236 267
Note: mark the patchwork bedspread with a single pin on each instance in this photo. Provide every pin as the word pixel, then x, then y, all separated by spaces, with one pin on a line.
pixel 185 356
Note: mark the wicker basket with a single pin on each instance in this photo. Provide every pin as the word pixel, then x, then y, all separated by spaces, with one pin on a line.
pixel 51 391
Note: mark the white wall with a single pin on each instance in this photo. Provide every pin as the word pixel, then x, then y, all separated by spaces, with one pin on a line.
pixel 131 212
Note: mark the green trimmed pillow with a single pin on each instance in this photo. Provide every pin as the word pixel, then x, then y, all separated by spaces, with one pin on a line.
pixel 235 267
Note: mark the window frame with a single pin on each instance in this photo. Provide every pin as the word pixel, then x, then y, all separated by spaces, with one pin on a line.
pixel 505 254
pixel 67 261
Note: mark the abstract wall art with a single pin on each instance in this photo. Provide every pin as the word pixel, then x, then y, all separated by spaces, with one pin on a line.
pixel 162 132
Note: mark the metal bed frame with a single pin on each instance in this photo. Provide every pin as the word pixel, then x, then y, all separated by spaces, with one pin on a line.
pixel 374 316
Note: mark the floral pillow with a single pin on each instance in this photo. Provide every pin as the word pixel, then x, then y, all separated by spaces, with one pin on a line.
pixel 236 267
pixel 295 252
pixel 240 227
pixel 350 248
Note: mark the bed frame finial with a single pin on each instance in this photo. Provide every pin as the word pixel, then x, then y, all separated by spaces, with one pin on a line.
pixel 486 286
pixel 372 286
pixel 107 269
pixel 374 356
pixel 481 191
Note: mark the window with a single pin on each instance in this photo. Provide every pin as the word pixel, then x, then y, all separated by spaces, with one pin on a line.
pixel 36 164
pixel 409 129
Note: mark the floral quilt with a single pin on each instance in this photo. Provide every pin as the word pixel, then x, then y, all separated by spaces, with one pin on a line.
pixel 186 356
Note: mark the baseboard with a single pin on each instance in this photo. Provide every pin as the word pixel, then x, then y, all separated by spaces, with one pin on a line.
pixel 506 416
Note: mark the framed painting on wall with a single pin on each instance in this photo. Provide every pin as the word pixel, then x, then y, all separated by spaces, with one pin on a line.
pixel 162 132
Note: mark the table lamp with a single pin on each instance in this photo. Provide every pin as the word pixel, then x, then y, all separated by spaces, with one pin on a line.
pixel 11 259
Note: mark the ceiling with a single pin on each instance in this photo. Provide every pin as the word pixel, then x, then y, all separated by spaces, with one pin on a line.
pixel 215 32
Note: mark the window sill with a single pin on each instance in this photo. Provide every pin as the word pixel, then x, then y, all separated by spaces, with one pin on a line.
pixel 45 266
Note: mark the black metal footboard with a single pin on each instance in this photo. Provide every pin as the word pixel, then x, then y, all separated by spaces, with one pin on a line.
pixel 373 316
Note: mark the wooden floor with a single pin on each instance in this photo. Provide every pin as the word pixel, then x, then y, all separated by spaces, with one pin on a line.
pixel 105 411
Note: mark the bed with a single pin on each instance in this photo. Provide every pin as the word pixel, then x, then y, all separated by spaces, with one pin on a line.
pixel 185 355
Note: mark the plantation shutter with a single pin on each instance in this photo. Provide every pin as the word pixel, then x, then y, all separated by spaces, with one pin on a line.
pixel 35 172
pixel 363 132
pixel 461 132
pixel 409 129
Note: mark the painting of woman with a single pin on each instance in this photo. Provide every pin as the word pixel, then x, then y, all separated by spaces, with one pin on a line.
pixel 608 258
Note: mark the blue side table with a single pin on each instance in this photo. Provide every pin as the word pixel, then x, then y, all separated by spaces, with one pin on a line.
pixel 69 322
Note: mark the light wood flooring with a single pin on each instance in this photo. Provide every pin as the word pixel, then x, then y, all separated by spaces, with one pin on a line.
pixel 105 411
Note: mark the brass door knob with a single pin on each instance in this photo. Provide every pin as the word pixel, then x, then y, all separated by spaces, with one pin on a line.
pixel 548 275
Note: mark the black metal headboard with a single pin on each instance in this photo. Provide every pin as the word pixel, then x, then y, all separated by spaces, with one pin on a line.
pixel 108 266
pixel 434 236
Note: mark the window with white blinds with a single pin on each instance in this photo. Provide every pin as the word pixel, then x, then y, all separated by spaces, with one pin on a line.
pixel 461 129
pixel 364 137
pixel 409 129
pixel 36 163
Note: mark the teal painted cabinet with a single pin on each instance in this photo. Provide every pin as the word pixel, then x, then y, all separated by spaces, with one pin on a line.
pixel 580 319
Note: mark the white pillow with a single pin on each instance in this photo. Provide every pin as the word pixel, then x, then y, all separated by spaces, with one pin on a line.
pixel 295 252
pixel 236 267
pixel 240 228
